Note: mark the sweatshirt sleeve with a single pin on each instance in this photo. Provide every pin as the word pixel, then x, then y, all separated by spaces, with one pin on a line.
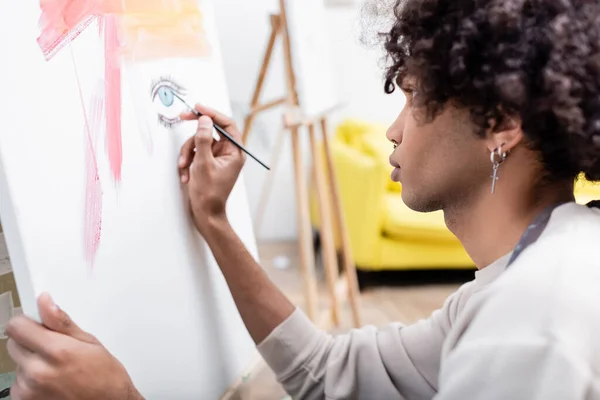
pixel 394 362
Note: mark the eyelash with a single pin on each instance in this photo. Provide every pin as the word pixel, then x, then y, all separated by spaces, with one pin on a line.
pixel 167 124
pixel 166 80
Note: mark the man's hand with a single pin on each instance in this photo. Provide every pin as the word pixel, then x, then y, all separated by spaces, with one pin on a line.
pixel 57 360
pixel 209 167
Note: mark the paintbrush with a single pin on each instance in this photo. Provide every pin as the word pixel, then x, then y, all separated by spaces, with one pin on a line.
pixel 222 132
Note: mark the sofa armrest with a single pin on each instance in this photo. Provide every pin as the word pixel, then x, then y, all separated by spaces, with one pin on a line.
pixel 362 182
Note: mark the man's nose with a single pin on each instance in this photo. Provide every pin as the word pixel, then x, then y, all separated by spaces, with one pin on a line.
pixel 396 130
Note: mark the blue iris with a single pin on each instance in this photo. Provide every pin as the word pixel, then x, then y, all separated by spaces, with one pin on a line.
pixel 166 96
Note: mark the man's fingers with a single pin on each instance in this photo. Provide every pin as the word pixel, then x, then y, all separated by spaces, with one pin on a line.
pixel 19 354
pixel 57 320
pixel 197 148
pixel 186 156
pixel 29 334
pixel 28 365
pixel 187 116
pixel 20 390
pixel 203 139
pixel 220 119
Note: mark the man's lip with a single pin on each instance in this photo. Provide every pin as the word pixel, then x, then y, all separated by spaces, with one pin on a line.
pixel 395 175
pixel 394 163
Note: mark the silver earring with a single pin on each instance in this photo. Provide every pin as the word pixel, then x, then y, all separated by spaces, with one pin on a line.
pixel 497 157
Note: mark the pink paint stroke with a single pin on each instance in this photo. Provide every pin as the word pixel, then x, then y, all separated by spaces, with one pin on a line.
pixel 112 96
pixel 93 188
pixel 93 204
pixel 53 40
pixel 62 21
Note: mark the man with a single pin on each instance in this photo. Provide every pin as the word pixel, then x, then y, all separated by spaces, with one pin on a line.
pixel 502 114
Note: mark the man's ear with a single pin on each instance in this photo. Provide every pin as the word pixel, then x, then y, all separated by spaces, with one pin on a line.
pixel 506 133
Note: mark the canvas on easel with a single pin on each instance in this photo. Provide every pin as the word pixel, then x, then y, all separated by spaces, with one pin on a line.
pixel 309 98
pixel 91 203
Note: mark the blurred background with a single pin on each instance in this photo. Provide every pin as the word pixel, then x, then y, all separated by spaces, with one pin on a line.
pixel 406 263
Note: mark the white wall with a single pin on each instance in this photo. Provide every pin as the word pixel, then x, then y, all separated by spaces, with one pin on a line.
pixel 244 29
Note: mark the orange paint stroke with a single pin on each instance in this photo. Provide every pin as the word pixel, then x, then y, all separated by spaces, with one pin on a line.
pixel 162 29
pixel 149 28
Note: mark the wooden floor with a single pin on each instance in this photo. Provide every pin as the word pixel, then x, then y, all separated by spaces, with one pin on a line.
pixel 397 296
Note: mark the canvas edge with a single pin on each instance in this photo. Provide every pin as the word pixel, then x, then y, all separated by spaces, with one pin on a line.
pixel 14 244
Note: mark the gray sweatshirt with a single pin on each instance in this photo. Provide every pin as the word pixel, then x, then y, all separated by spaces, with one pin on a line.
pixel 528 332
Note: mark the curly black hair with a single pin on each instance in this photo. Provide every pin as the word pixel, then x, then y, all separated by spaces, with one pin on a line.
pixel 535 59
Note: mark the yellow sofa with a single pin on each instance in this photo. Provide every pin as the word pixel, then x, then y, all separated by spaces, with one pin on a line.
pixel 384 233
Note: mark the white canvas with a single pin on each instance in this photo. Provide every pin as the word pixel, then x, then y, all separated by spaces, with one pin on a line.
pixel 311 56
pixel 153 294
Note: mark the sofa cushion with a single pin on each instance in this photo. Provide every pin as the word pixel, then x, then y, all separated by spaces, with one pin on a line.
pixel 370 139
pixel 403 223
pixel 394 187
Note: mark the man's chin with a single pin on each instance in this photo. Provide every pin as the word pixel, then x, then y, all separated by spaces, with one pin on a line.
pixel 419 203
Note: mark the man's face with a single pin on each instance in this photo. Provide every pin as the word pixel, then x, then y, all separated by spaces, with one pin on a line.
pixel 440 163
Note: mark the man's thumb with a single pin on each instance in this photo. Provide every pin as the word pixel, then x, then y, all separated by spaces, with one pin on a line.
pixel 204 137
pixel 57 320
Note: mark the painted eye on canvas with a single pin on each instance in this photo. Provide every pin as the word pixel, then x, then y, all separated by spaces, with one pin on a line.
pixel 164 100
pixel 166 96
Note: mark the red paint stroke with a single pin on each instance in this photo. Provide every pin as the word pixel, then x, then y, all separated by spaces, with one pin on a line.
pixel 112 95
pixel 93 188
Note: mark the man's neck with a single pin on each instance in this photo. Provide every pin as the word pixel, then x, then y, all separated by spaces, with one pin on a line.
pixel 492 226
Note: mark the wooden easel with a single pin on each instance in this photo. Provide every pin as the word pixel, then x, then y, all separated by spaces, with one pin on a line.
pixel 339 288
